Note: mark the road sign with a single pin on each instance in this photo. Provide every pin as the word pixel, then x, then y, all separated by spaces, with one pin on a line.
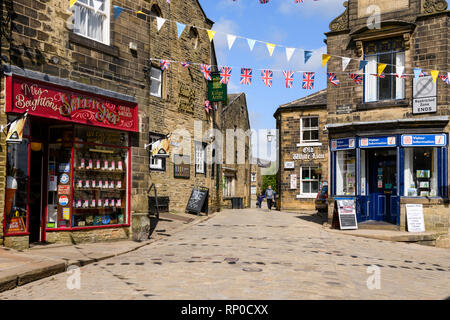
pixel 424 95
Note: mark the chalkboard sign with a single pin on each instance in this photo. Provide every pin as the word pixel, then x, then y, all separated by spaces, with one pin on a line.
pixel 198 201
pixel 347 214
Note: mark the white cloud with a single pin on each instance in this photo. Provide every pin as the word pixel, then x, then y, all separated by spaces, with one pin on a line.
pixel 310 8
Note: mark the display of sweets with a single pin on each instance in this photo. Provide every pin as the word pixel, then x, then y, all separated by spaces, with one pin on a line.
pixel 111 184
pixel 93 183
pixel 97 164
pixel 113 165
pixel 99 185
pixel 106 202
pixel 113 202
pixel 82 164
pixel 119 203
pixel 106 165
pixel 105 185
pixel 80 184
pixel 78 205
pixel 119 184
pixel 119 165
pixel 99 202
pixel 93 203
pixel 90 164
pixel 86 184
pixel 86 203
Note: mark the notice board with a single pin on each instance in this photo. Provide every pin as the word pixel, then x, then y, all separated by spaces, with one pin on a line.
pixel 198 201
pixel 414 216
pixel 346 210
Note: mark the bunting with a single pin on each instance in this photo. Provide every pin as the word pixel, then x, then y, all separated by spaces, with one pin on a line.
pixel 308 80
pixel 267 76
pixel 180 28
pixel 417 72
pixel 206 70
pixel 230 38
pixel 381 67
pixel 434 75
pixel 445 78
pixel 72 2
pixel 270 47
pixel 345 62
pixel 246 76
pixel 357 78
pixel 325 59
pixel 185 64
pixel 225 75
pixel 251 43
pixel 211 34
pixel 308 55
pixel 289 53
pixel 363 64
pixel 289 78
pixel 97 5
pixel 117 11
pixel 164 64
pixel 160 22
pixel 333 79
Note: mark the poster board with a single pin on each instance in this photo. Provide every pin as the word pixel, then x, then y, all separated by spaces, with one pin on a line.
pixel 414 217
pixel 346 210
pixel 198 201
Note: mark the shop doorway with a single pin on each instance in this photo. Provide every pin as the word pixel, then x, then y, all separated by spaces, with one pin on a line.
pixel 382 185
pixel 35 202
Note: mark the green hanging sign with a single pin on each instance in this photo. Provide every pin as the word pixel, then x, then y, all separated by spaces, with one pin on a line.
pixel 216 90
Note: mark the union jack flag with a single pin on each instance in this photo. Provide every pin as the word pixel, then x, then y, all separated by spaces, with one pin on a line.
pixel 289 78
pixel 263 1
pixel 357 78
pixel 164 64
pixel 424 74
pixel 206 70
pixel 246 76
pixel 185 64
pixel 401 76
pixel 445 78
pixel 225 75
pixel 207 106
pixel 333 79
pixel 266 76
pixel 298 1
pixel 382 75
pixel 308 80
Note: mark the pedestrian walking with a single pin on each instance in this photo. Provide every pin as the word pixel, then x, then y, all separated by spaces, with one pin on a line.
pixel 260 200
pixel 270 195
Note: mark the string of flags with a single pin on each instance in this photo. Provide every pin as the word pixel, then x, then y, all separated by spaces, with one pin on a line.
pixel 289 51
pixel 308 78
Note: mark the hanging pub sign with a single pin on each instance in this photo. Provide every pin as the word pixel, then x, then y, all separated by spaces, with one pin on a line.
pixel 51 101
pixel 216 90
pixel 161 148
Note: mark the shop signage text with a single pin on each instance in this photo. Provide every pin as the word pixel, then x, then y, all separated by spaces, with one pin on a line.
pixel 49 101
pixel 375 142
pixel 424 140
pixel 424 95
pixel 343 144
pixel 216 90
pixel 308 154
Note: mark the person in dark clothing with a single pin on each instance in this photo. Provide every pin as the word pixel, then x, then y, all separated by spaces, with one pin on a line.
pixel 260 200
pixel 270 195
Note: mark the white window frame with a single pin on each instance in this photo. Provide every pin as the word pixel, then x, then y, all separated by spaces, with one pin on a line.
pixel 157 80
pixel 156 163
pixel 409 173
pixel 106 13
pixel 303 194
pixel 309 143
pixel 253 177
pixel 228 186
pixel 200 158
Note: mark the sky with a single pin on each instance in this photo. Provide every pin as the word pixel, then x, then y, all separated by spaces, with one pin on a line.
pixel 280 22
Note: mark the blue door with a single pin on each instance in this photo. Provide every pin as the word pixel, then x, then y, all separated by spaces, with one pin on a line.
pixel 383 189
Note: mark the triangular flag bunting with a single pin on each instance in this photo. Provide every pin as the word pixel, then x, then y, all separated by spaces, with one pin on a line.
pixel 180 28
pixel 434 74
pixel 417 72
pixel 72 2
pixel 362 64
pixel 160 22
pixel 308 54
pixel 270 47
pixel 117 11
pixel 140 12
pixel 381 67
pixel 400 71
pixel 211 34
pixel 97 5
pixel 325 59
pixel 251 43
pixel 345 62
pixel 289 53
pixel 230 38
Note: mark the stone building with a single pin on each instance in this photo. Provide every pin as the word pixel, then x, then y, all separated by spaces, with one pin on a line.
pixel 302 151
pixel 255 182
pixel 387 150
pixel 96 97
pixel 236 156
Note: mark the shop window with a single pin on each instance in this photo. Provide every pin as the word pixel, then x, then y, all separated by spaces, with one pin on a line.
pixel 16 195
pixel 200 158
pixel 92 22
pixel 310 179
pixel 387 87
pixel 156 163
pixel 156 77
pixel 309 129
pixel 421 172
pixel 345 172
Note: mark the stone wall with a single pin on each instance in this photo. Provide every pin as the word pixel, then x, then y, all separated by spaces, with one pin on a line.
pixel 93 235
pixel 289 130
pixel 235 115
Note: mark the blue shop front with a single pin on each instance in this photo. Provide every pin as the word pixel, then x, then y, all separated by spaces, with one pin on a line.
pixel 381 172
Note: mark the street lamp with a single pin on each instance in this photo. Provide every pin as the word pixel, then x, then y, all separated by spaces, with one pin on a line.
pixel 270 137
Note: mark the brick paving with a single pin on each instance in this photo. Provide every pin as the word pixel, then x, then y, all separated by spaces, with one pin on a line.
pixel 254 254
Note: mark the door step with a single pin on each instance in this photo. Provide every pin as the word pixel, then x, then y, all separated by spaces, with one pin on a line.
pixel 377 225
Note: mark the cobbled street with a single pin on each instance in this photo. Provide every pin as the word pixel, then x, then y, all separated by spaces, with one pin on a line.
pixel 254 254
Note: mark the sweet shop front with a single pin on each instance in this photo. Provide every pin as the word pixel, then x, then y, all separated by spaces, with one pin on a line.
pixel 68 177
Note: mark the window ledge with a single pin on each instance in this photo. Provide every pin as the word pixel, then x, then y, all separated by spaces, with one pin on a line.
pixel 383 104
pixel 92 44
pixel 306 196
pixel 309 144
